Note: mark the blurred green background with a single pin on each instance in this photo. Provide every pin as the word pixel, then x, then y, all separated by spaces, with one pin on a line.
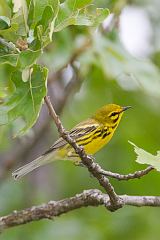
pixel 121 66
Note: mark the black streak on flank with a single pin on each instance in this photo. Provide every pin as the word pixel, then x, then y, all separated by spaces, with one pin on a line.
pixel 113 127
pixel 87 137
pixel 106 134
pixel 83 144
pixel 96 136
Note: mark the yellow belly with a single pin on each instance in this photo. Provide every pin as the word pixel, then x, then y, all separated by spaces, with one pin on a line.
pixel 96 144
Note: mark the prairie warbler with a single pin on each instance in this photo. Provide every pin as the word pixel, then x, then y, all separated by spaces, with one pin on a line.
pixel 92 134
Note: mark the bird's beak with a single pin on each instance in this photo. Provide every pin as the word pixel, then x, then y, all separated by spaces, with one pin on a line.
pixel 125 108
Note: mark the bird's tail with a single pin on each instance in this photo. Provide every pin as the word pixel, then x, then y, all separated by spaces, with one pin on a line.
pixel 42 160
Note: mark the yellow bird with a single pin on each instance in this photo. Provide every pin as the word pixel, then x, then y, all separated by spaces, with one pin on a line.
pixel 93 134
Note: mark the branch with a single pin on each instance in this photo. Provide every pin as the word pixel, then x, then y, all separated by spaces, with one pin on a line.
pixel 87 198
pixel 86 160
pixel 137 174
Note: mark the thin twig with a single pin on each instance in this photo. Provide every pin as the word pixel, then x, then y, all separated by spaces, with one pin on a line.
pixel 92 197
pixel 137 174
pixel 87 160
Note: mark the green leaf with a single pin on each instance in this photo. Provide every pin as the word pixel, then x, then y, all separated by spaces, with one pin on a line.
pixel 18 26
pixel 30 13
pixel 37 8
pixel 74 4
pixel 27 98
pixel 27 58
pixel 91 16
pixel 41 20
pixel 10 33
pixel 44 29
pixel 9 59
pixel 88 16
pixel 46 17
pixel 144 157
pixel 11 5
pixel 20 18
pixel 4 22
pixel 55 5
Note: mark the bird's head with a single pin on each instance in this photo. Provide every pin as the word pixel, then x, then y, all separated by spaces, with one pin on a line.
pixel 110 114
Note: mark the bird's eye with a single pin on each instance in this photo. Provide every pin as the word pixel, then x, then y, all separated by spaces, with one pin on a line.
pixel 113 114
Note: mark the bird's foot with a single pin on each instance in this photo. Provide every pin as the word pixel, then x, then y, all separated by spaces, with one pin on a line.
pixel 79 164
pixel 92 157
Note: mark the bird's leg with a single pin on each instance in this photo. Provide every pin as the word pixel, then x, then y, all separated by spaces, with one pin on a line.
pixel 92 157
pixel 79 163
pixel 76 159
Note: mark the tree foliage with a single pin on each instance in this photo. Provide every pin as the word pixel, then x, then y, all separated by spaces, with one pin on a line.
pixel 28 29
